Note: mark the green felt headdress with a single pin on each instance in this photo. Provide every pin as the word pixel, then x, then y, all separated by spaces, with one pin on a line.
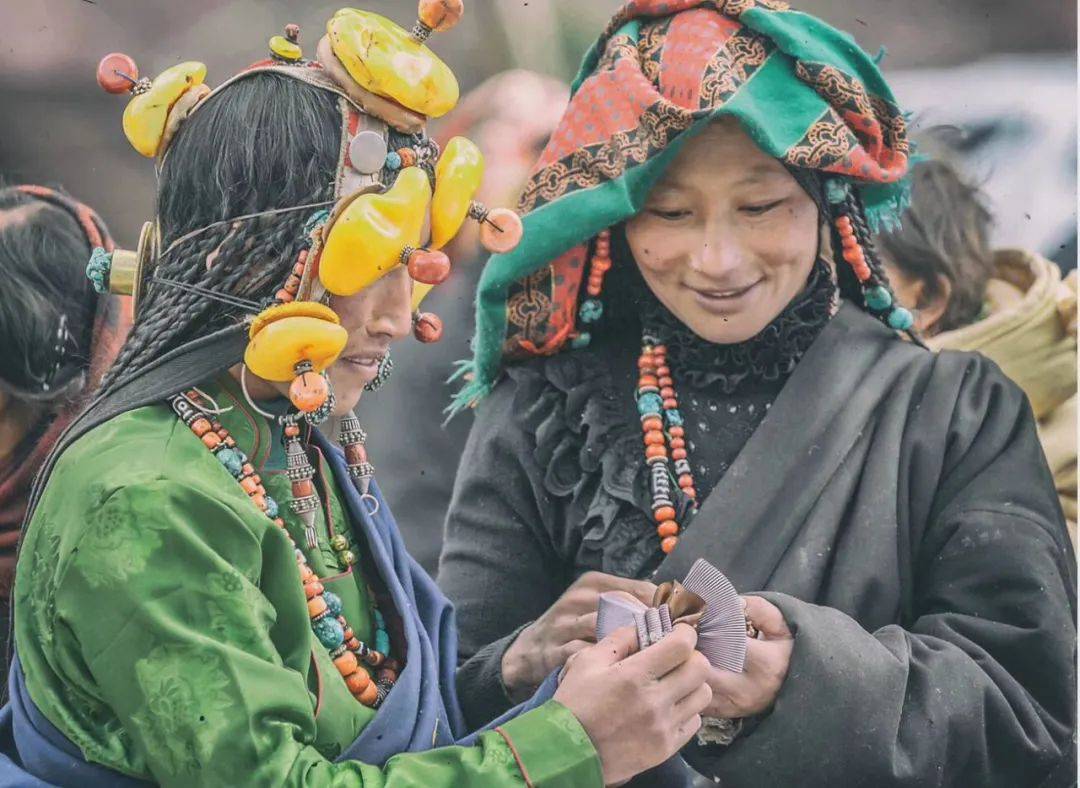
pixel 804 92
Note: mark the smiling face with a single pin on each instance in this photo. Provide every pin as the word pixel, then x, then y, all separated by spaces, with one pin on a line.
pixel 375 317
pixel 727 237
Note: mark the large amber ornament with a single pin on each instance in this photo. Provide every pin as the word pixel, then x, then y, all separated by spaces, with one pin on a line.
pixel 284 335
pixel 387 61
pixel 457 177
pixel 147 113
pixel 366 239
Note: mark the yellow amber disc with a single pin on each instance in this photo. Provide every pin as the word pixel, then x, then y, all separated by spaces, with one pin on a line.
pixel 292 309
pixel 367 238
pixel 386 60
pixel 285 49
pixel 147 113
pixel 278 347
pixel 457 177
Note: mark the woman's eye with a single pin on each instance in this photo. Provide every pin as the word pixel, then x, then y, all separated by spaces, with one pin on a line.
pixel 757 210
pixel 669 214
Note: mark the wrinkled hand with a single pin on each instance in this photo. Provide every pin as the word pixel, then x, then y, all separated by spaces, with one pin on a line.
pixel 566 628
pixel 767 659
pixel 639 709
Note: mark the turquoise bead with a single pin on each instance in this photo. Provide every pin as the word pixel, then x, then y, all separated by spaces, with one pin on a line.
pixel 901 319
pixel 271 507
pixel 393 160
pixel 649 403
pixel 97 270
pixel 328 631
pixel 877 298
pixel 380 622
pixel 591 310
pixel 674 418
pixel 333 603
pixel 231 460
pixel 382 642
pixel 836 190
pixel 582 340
pixel 315 220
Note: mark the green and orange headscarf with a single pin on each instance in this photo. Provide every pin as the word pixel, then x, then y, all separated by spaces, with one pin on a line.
pixel 661 70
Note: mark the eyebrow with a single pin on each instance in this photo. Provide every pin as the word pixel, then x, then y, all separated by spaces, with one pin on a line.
pixel 757 174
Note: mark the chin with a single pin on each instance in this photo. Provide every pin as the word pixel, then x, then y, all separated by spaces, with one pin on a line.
pixel 726 332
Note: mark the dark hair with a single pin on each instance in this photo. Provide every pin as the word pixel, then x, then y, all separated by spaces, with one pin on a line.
pixel 945 233
pixel 43 255
pixel 266 141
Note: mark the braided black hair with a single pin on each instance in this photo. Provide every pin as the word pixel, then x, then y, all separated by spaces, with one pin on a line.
pixel 267 141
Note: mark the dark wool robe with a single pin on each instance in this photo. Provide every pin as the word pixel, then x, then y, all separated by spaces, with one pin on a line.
pixel 894 504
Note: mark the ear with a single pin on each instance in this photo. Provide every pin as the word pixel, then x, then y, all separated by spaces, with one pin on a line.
pixel 931 306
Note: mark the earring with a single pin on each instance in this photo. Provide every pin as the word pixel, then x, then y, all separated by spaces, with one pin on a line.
pixel 427 327
pixel 591 309
pixel 386 366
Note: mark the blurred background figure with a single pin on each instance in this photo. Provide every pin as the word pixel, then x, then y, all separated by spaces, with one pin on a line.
pixel 57 337
pixel 1011 305
pixel 510 117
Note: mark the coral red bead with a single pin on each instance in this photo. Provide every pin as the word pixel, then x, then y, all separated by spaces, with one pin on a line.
pixel 358 681
pixel 654 438
pixel 309 392
pixel 849 241
pixel 645 362
pixel 667 544
pixel 664 513
pixel 369 695
pixel 660 350
pixel 259 499
pixel 665 380
pixel 854 255
pixel 292 430
pixel 305 573
pixel 313 589
pixel 652 423
pixel 678 454
pixel 689 492
pixel 664 372
pixel 292 284
pixel 428 266
pixel 667 392
pixel 677 432
pixel 113 70
pixel 655 451
pixel 428 327
pixel 678 443
pixel 347 663
pixel 211 440
pixel 671 403
pixel 200 427
pixel 648 380
pixel 284 296
pixel 843 222
pixel 441 15
pixel 686 481
pixel 249 485
pixel 501 231
pixel 668 528
pixel 247 469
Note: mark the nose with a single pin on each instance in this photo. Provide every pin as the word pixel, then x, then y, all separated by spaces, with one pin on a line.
pixel 720 254
pixel 391 315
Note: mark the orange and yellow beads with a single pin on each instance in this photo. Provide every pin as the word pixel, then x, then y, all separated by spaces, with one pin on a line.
pixel 658 405
pixel 349 654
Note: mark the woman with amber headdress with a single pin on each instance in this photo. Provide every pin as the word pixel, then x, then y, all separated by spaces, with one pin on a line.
pixel 208 591
pixel 695 353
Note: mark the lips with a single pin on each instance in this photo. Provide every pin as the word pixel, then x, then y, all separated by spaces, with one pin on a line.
pixel 724 300
pixel 365 359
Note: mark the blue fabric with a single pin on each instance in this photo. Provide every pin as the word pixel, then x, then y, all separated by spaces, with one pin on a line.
pixel 421 711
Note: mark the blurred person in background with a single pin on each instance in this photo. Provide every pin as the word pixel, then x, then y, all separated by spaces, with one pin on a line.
pixel 1011 305
pixel 510 117
pixel 57 337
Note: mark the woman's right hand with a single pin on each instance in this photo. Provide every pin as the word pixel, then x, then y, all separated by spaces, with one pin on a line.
pixel 639 708
pixel 564 629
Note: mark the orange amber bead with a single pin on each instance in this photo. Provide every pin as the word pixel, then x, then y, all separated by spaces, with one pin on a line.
pixel 211 440
pixel 313 589
pixel 346 663
pixel 441 15
pixel 309 391
pixel 370 693
pixel 249 485
pixel 667 544
pixel 358 681
pixel 117 72
pixel 652 423
pixel 316 606
pixel 668 528
pixel 429 266
pixel 654 438
pixel 259 499
pixel 305 572
pixel 501 231
pixel 655 451
pixel 648 380
pixel 200 427
pixel 664 513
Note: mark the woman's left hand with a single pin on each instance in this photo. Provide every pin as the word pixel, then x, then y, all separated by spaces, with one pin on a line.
pixel 767 658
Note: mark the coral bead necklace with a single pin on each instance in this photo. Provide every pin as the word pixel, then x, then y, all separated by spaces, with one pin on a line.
pixel 355 661
pixel 664 437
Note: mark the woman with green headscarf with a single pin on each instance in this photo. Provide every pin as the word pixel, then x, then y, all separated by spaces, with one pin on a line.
pixel 695 353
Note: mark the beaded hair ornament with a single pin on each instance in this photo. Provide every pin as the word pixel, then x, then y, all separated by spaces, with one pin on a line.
pixel 384 77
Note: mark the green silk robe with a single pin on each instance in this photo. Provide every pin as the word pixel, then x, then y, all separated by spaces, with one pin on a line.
pixel 162 628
